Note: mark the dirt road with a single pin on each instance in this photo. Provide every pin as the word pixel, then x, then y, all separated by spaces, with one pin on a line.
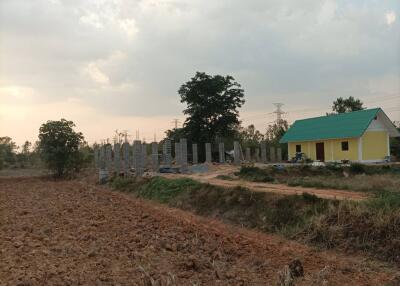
pixel 71 233
pixel 211 177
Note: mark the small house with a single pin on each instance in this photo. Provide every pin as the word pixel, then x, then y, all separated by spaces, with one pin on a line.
pixel 361 136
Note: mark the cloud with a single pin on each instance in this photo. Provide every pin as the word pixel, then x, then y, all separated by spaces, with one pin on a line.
pixel 127 59
pixel 390 17
pixel 96 74
pixel 129 26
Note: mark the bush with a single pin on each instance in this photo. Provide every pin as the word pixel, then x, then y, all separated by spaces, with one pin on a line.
pixel 357 168
pixel 254 174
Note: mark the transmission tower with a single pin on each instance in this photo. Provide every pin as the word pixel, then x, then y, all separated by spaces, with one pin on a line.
pixel 175 122
pixel 279 113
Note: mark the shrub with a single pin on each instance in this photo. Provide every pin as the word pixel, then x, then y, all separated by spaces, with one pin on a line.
pixel 357 168
pixel 254 174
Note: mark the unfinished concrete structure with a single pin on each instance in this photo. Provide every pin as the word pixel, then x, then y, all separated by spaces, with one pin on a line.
pixel 208 153
pixel 138 157
pixel 177 153
pixel 96 157
pixel 102 161
pixel 272 155
pixel 195 156
pixel 248 154
pixel 117 158
pixel 154 156
pixel 236 153
pixel 183 155
pixel 264 152
pixel 126 156
pixel 167 157
pixel 257 155
pixel 279 154
pixel 221 152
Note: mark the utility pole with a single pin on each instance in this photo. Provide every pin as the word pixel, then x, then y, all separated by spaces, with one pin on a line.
pixel 175 122
pixel 279 113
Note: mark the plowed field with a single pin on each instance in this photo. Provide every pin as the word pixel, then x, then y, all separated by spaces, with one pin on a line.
pixel 74 233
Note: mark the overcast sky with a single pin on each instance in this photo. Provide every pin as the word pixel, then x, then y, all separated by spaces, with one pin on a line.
pixel 118 64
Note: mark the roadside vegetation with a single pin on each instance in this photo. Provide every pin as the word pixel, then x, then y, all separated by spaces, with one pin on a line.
pixel 371 226
pixel 355 177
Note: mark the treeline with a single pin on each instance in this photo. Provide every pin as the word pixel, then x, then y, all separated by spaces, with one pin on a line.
pixel 13 156
pixel 59 149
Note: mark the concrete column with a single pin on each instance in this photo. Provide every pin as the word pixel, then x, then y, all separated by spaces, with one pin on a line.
pixel 257 154
pixel 279 154
pixel 195 154
pixel 117 158
pixel 138 157
pixel 144 155
pixel 248 154
pixel 154 156
pixel 272 154
pixel 102 162
pixel 221 151
pixel 208 153
pixel 177 153
pixel 236 153
pixel 167 153
pixel 183 155
pixel 264 152
pixel 125 154
pixel 109 157
pixel 96 152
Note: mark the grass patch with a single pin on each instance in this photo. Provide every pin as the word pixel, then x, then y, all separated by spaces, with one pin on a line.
pixel 254 174
pixel 225 177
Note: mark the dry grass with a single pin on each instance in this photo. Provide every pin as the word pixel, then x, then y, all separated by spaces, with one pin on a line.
pixel 359 183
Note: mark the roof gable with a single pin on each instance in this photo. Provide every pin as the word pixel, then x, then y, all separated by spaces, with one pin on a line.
pixel 343 125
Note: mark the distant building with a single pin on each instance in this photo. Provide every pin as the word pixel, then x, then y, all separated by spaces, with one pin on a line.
pixel 361 136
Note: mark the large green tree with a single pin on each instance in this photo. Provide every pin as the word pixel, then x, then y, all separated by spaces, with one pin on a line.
pixel 212 107
pixel 59 146
pixel 343 105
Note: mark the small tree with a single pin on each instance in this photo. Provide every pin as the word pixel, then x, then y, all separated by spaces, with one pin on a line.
pixel 59 146
pixel 250 136
pixel 343 105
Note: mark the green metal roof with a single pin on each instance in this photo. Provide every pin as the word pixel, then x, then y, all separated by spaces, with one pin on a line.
pixel 343 125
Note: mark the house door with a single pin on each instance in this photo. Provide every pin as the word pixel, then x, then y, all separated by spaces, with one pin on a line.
pixel 320 152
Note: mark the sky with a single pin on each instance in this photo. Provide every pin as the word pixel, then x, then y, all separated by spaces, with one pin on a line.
pixel 117 64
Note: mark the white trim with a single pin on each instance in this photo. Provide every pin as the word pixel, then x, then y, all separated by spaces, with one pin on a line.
pixel 373 161
pixel 360 148
pixel 388 143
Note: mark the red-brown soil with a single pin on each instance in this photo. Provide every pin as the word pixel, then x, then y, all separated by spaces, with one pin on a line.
pixel 74 233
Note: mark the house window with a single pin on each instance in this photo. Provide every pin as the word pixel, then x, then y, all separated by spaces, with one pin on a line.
pixel 298 148
pixel 345 146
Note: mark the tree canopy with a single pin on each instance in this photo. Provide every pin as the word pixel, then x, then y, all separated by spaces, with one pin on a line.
pixel 343 105
pixel 59 146
pixel 212 106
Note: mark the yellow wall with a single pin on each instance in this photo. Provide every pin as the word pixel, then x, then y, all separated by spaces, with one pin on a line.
pixel 332 148
pixel 375 145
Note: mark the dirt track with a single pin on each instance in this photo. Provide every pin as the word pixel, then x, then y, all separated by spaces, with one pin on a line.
pixel 71 233
pixel 211 178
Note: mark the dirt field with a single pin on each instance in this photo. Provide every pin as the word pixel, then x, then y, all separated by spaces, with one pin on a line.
pixel 216 170
pixel 73 233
